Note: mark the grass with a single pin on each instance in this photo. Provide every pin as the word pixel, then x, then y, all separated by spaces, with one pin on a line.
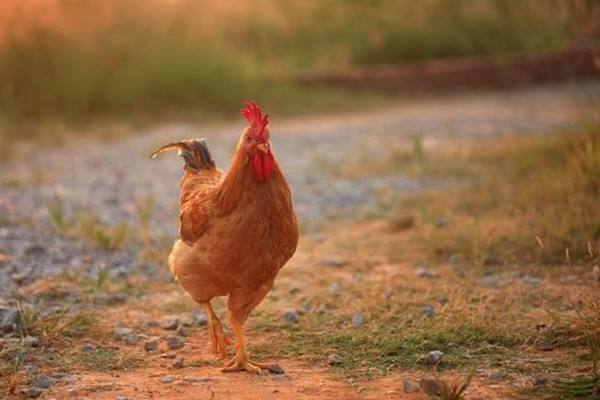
pixel 155 58
pixel 103 359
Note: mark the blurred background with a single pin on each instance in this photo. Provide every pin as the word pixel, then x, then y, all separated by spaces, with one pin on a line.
pixel 84 61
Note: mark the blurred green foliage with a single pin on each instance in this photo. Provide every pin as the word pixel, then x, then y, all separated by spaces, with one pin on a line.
pixel 160 56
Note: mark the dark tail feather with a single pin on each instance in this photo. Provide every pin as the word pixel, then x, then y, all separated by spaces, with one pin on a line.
pixel 193 151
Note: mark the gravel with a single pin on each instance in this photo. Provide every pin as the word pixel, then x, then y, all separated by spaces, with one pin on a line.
pixel 151 345
pixel 358 320
pixel 434 357
pixel 175 342
pixel 171 324
pixel 87 348
pixel 334 359
pixel 291 316
pixel 109 178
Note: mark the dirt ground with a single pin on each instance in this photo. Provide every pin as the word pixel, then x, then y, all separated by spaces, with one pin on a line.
pixel 86 227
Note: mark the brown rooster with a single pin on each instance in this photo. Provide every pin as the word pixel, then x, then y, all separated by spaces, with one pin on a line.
pixel 236 229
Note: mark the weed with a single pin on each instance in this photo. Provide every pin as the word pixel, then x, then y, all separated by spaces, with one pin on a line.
pixel 455 390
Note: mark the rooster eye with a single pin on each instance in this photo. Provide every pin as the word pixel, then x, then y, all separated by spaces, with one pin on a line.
pixel 247 138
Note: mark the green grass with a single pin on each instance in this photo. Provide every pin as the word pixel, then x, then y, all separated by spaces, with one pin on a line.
pixel 102 359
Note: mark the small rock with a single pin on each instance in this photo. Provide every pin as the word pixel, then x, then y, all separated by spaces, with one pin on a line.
pixel 10 320
pixel 181 331
pixel 539 381
pixel 423 272
pixel 306 307
pixel 151 345
pixel 358 320
pixel 171 324
pixel 334 262
pixel 334 359
pixel 280 377
pixel 31 370
pixel 43 382
pixel 117 298
pixel 35 250
pixel 410 386
pixel 196 379
pixel 167 379
pixel 291 316
pixel 121 398
pixel 199 318
pixel 335 289
pixel 545 345
pixel 32 392
pixel 531 280
pixel 131 339
pixel 428 310
pixel 434 357
pixel 431 386
pixel 178 364
pixel 275 369
pixel 120 333
pixel 87 348
pixel 152 324
pixel 170 356
pixel 31 341
pixel 22 277
pixel 175 342
pixel 440 223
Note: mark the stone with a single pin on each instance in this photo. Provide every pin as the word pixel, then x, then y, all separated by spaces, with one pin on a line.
pixel 196 379
pixel 181 331
pixel 32 392
pixel 175 342
pixel 131 339
pixel 428 310
pixel 491 261
pixel 334 359
pixel 423 272
pixel 10 320
pixel 43 382
pixel 358 320
pixel 87 348
pixel 117 298
pixel 151 345
pixel 170 356
pixel 291 316
pixel 440 223
pixel 410 386
pixel 199 318
pixel 431 386
pixel 179 363
pixel 275 369
pixel 121 398
pixel 35 250
pixel 334 262
pixel 167 379
pixel 280 377
pixel 434 357
pixel 152 324
pixel 119 333
pixel 31 341
pixel 171 324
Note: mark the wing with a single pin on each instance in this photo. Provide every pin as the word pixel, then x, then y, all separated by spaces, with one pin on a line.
pixel 198 190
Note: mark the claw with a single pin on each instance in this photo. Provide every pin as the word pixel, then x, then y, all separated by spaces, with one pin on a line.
pixel 243 364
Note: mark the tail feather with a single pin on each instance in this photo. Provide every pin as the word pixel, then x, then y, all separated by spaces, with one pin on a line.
pixel 194 152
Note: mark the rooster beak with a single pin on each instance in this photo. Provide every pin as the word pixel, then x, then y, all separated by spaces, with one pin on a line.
pixel 264 147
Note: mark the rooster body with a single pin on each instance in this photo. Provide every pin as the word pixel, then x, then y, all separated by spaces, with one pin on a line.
pixel 236 229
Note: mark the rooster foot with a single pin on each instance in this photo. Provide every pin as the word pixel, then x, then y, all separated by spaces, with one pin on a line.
pixel 243 364
pixel 218 339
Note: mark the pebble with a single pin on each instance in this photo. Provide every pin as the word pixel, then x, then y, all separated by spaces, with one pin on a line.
pixel 275 369
pixel 178 364
pixel 196 379
pixel 410 386
pixel 10 320
pixel 334 262
pixel 120 333
pixel 199 318
pixel 428 310
pixel 434 357
pixel 33 392
pixel 152 324
pixel 87 348
pixel 440 223
pixel 175 342
pixel 169 355
pixel 334 359
pixel 44 382
pixel 131 339
pixel 358 320
pixel 280 377
pixel 291 316
pixel 31 341
pixel 171 324
pixel 431 386
pixel 167 379
pixel 121 398
pixel 181 331
pixel 423 272
pixel 151 345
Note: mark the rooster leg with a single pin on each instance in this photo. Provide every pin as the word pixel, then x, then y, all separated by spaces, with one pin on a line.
pixel 241 303
pixel 215 331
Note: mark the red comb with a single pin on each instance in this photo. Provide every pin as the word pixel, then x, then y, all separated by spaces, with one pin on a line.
pixel 254 116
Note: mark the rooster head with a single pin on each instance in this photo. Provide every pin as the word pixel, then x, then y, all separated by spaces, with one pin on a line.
pixel 255 142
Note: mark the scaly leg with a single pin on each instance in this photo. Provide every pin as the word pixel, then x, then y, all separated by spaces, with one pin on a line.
pixel 241 303
pixel 215 331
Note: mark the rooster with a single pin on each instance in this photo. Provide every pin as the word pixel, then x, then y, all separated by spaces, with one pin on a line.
pixel 236 230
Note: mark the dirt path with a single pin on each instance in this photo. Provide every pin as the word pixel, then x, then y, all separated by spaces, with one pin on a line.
pixel 114 182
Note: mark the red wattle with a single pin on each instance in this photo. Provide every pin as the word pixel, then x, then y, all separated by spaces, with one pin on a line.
pixel 263 165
